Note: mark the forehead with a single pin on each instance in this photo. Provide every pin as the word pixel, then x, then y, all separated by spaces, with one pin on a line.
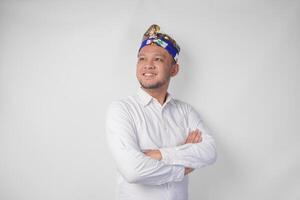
pixel 153 50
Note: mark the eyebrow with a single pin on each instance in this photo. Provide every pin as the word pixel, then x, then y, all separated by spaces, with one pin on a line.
pixel 156 54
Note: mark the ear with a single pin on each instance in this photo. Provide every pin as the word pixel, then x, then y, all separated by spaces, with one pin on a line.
pixel 174 69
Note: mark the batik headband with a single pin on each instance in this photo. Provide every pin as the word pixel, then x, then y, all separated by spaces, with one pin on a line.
pixel 153 37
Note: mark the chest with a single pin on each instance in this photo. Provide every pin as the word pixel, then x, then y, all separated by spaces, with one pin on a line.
pixel 156 127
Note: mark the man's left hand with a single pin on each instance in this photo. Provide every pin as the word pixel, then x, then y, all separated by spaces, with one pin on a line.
pixel 154 154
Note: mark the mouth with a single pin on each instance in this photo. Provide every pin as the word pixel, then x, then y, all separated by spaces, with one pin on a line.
pixel 148 74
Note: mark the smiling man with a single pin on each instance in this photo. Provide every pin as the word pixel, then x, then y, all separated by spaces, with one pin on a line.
pixel 155 139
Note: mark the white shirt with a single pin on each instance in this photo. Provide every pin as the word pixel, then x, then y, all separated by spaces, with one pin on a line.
pixel 138 123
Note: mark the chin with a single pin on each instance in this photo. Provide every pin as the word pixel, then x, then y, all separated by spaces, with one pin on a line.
pixel 151 86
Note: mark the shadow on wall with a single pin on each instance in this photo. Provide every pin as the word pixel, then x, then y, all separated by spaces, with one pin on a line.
pixel 215 181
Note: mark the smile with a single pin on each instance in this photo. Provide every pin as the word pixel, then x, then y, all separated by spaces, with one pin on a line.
pixel 149 74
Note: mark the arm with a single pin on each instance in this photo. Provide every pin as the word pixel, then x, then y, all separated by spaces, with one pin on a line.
pixel 192 155
pixel 133 164
pixel 193 137
pixel 155 154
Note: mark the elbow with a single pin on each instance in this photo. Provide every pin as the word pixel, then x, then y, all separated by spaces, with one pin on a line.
pixel 131 176
pixel 132 179
pixel 208 158
pixel 212 158
pixel 211 154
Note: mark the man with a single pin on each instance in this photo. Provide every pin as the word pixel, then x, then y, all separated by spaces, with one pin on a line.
pixel 156 140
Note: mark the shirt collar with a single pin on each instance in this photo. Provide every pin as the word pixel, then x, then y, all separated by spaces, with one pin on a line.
pixel 146 98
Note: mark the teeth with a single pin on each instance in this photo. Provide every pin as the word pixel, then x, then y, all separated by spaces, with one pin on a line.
pixel 149 74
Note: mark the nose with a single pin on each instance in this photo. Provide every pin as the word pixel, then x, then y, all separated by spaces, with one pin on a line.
pixel 149 65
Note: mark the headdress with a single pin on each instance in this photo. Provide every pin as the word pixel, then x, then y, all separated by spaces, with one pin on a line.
pixel 154 37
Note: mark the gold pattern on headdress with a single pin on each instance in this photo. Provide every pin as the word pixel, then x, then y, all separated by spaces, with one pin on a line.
pixel 152 31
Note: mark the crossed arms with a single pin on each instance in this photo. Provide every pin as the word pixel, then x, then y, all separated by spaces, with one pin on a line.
pixel 158 166
pixel 193 137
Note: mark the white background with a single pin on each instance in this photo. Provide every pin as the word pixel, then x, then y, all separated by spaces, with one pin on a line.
pixel 63 62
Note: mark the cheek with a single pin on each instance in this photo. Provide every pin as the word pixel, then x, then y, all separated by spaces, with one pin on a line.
pixel 138 68
pixel 166 71
pixel 139 71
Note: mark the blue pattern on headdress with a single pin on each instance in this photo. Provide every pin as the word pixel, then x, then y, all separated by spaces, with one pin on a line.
pixel 162 43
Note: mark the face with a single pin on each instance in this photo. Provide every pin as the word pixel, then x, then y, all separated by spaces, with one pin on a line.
pixel 155 67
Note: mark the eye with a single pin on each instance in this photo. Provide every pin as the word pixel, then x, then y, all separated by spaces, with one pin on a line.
pixel 141 58
pixel 159 59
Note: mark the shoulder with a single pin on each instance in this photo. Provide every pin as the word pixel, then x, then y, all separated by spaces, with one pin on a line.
pixel 182 105
pixel 123 105
pixel 186 108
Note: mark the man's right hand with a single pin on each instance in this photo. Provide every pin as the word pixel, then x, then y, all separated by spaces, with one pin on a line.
pixel 193 137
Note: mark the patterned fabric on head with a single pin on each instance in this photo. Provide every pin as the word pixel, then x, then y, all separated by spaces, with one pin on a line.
pixel 154 37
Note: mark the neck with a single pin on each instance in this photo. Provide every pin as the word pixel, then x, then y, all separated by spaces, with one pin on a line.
pixel 160 94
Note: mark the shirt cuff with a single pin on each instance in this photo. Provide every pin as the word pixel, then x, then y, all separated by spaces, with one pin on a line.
pixel 167 156
pixel 178 172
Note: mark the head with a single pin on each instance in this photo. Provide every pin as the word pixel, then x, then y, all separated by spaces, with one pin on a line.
pixel 157 64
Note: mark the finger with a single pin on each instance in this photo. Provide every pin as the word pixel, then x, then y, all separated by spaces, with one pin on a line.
pixel 194 136
pixel 200 138
pixel 189 138
pixel 188 170
pixel 197 138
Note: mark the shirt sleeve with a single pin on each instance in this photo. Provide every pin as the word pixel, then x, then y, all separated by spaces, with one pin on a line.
pixel 131 162
pixel 194 155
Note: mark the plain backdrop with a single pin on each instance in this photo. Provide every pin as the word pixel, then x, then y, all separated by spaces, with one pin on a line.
pixel 62 63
